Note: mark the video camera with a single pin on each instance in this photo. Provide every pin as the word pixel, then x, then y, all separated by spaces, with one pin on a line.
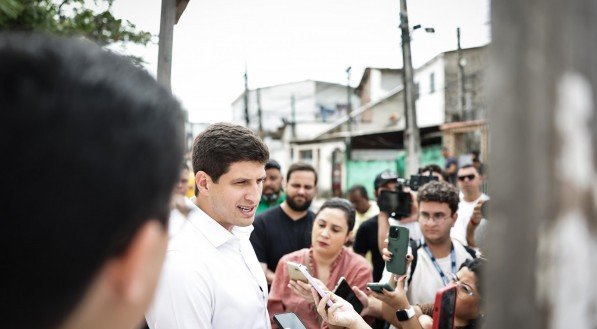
pixel 417 181
pixel 397 203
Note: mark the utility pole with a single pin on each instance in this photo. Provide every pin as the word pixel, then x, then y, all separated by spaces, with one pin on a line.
pixel 170 14
pixel 348 100
pixel 461 64
pixel 259 113
pixel 246 98
pixel 168 18
pixel 413 140
pixel 293 116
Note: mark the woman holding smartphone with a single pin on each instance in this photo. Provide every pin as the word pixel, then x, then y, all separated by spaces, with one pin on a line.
pixel 327 260
pixel 467 310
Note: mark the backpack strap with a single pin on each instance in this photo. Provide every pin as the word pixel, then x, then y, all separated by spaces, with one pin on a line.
pixel 414 247
pixel 471 251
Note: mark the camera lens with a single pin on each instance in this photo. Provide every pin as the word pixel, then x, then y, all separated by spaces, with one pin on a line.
pixel 393 232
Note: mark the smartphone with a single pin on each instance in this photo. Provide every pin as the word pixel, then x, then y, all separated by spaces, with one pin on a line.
pixel 484 209
pixel 378 287
pixel 344 290
pixel 444 307
pixel 294 273
pixel 288 321
pixel 398 245
pixel 313 283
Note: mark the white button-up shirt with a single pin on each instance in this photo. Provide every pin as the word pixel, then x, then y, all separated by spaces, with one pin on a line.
pixel 211 278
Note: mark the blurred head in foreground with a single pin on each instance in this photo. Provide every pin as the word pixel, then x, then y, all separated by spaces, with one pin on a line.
pixel 101 142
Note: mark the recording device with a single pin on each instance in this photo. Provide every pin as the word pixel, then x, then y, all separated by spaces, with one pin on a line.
pixel 484 209
pixel 398 245
pixel 378 287
pixel 344 290
pixel 444 307
pixel 313 283
pixel 417 181
pixel 396 203
pixel 288 321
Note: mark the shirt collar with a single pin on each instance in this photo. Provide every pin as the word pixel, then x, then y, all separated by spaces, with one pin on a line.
pixel 213 231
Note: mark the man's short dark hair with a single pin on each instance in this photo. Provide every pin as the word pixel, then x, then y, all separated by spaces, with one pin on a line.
pixel 300 166
pixel 223 144
pixel 345 206
pixel 361 189
pixel 92 148
pixel 272 164
pixel 468 166
pixel 442 192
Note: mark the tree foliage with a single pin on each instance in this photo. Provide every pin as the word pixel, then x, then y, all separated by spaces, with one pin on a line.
pixel 71 17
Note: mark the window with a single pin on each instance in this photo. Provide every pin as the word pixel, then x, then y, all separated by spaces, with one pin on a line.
pixel 417 89
pixel 306 155
pixel 432 83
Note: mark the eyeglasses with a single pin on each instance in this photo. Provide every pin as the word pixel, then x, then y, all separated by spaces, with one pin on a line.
pixel 470 177
pixel 461 286
pixel 437 217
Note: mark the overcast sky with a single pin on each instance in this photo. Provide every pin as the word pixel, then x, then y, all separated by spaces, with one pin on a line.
pixel 290 40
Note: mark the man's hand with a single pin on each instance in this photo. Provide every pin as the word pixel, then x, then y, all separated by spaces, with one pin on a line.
pixel 341 314
pixel 473 224
pixel 395 299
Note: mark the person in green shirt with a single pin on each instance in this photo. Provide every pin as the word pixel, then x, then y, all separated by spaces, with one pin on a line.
pixel 272 195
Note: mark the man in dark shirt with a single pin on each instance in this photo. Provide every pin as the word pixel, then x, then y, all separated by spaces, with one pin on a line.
pixel 366 238
pixel 451 166
pixel 287 227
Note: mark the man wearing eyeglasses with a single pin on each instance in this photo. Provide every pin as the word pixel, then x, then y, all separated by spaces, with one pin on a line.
pixel 438 256
pixel 471 199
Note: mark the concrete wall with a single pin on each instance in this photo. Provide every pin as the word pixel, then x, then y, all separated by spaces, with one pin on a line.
pixel 430 104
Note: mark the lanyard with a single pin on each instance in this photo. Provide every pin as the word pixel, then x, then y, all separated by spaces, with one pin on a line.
pixel 445 280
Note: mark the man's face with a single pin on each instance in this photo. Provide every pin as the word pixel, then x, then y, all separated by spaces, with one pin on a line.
pixel 436 220
pixel 469 180
pixel 273 181
pixel 183 183
pixel 300 190
pixel 234 198
pixel 360 203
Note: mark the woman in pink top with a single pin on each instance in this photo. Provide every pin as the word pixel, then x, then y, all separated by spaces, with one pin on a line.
pixel 327 260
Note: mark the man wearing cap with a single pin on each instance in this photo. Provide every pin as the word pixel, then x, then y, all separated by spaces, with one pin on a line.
pixel 272 194
pixel 366 236
pixel 390 178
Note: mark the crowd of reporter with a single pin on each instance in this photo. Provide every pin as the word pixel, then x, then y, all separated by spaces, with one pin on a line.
pixel 443 257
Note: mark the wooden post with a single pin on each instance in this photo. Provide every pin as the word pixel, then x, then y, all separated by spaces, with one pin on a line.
pixel 543 210
pixel 167 21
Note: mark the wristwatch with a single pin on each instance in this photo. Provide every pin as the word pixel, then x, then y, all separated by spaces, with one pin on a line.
pixel 405 314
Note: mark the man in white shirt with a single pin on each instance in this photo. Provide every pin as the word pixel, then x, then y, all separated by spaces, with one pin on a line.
pixel 211 276
pixel 471 198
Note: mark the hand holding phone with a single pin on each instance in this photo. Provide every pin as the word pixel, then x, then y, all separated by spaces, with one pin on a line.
pixel 344 291
pixel 398 246
pixel 378 287
pixel 294 273
pixel 444 307
pixel 313 283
